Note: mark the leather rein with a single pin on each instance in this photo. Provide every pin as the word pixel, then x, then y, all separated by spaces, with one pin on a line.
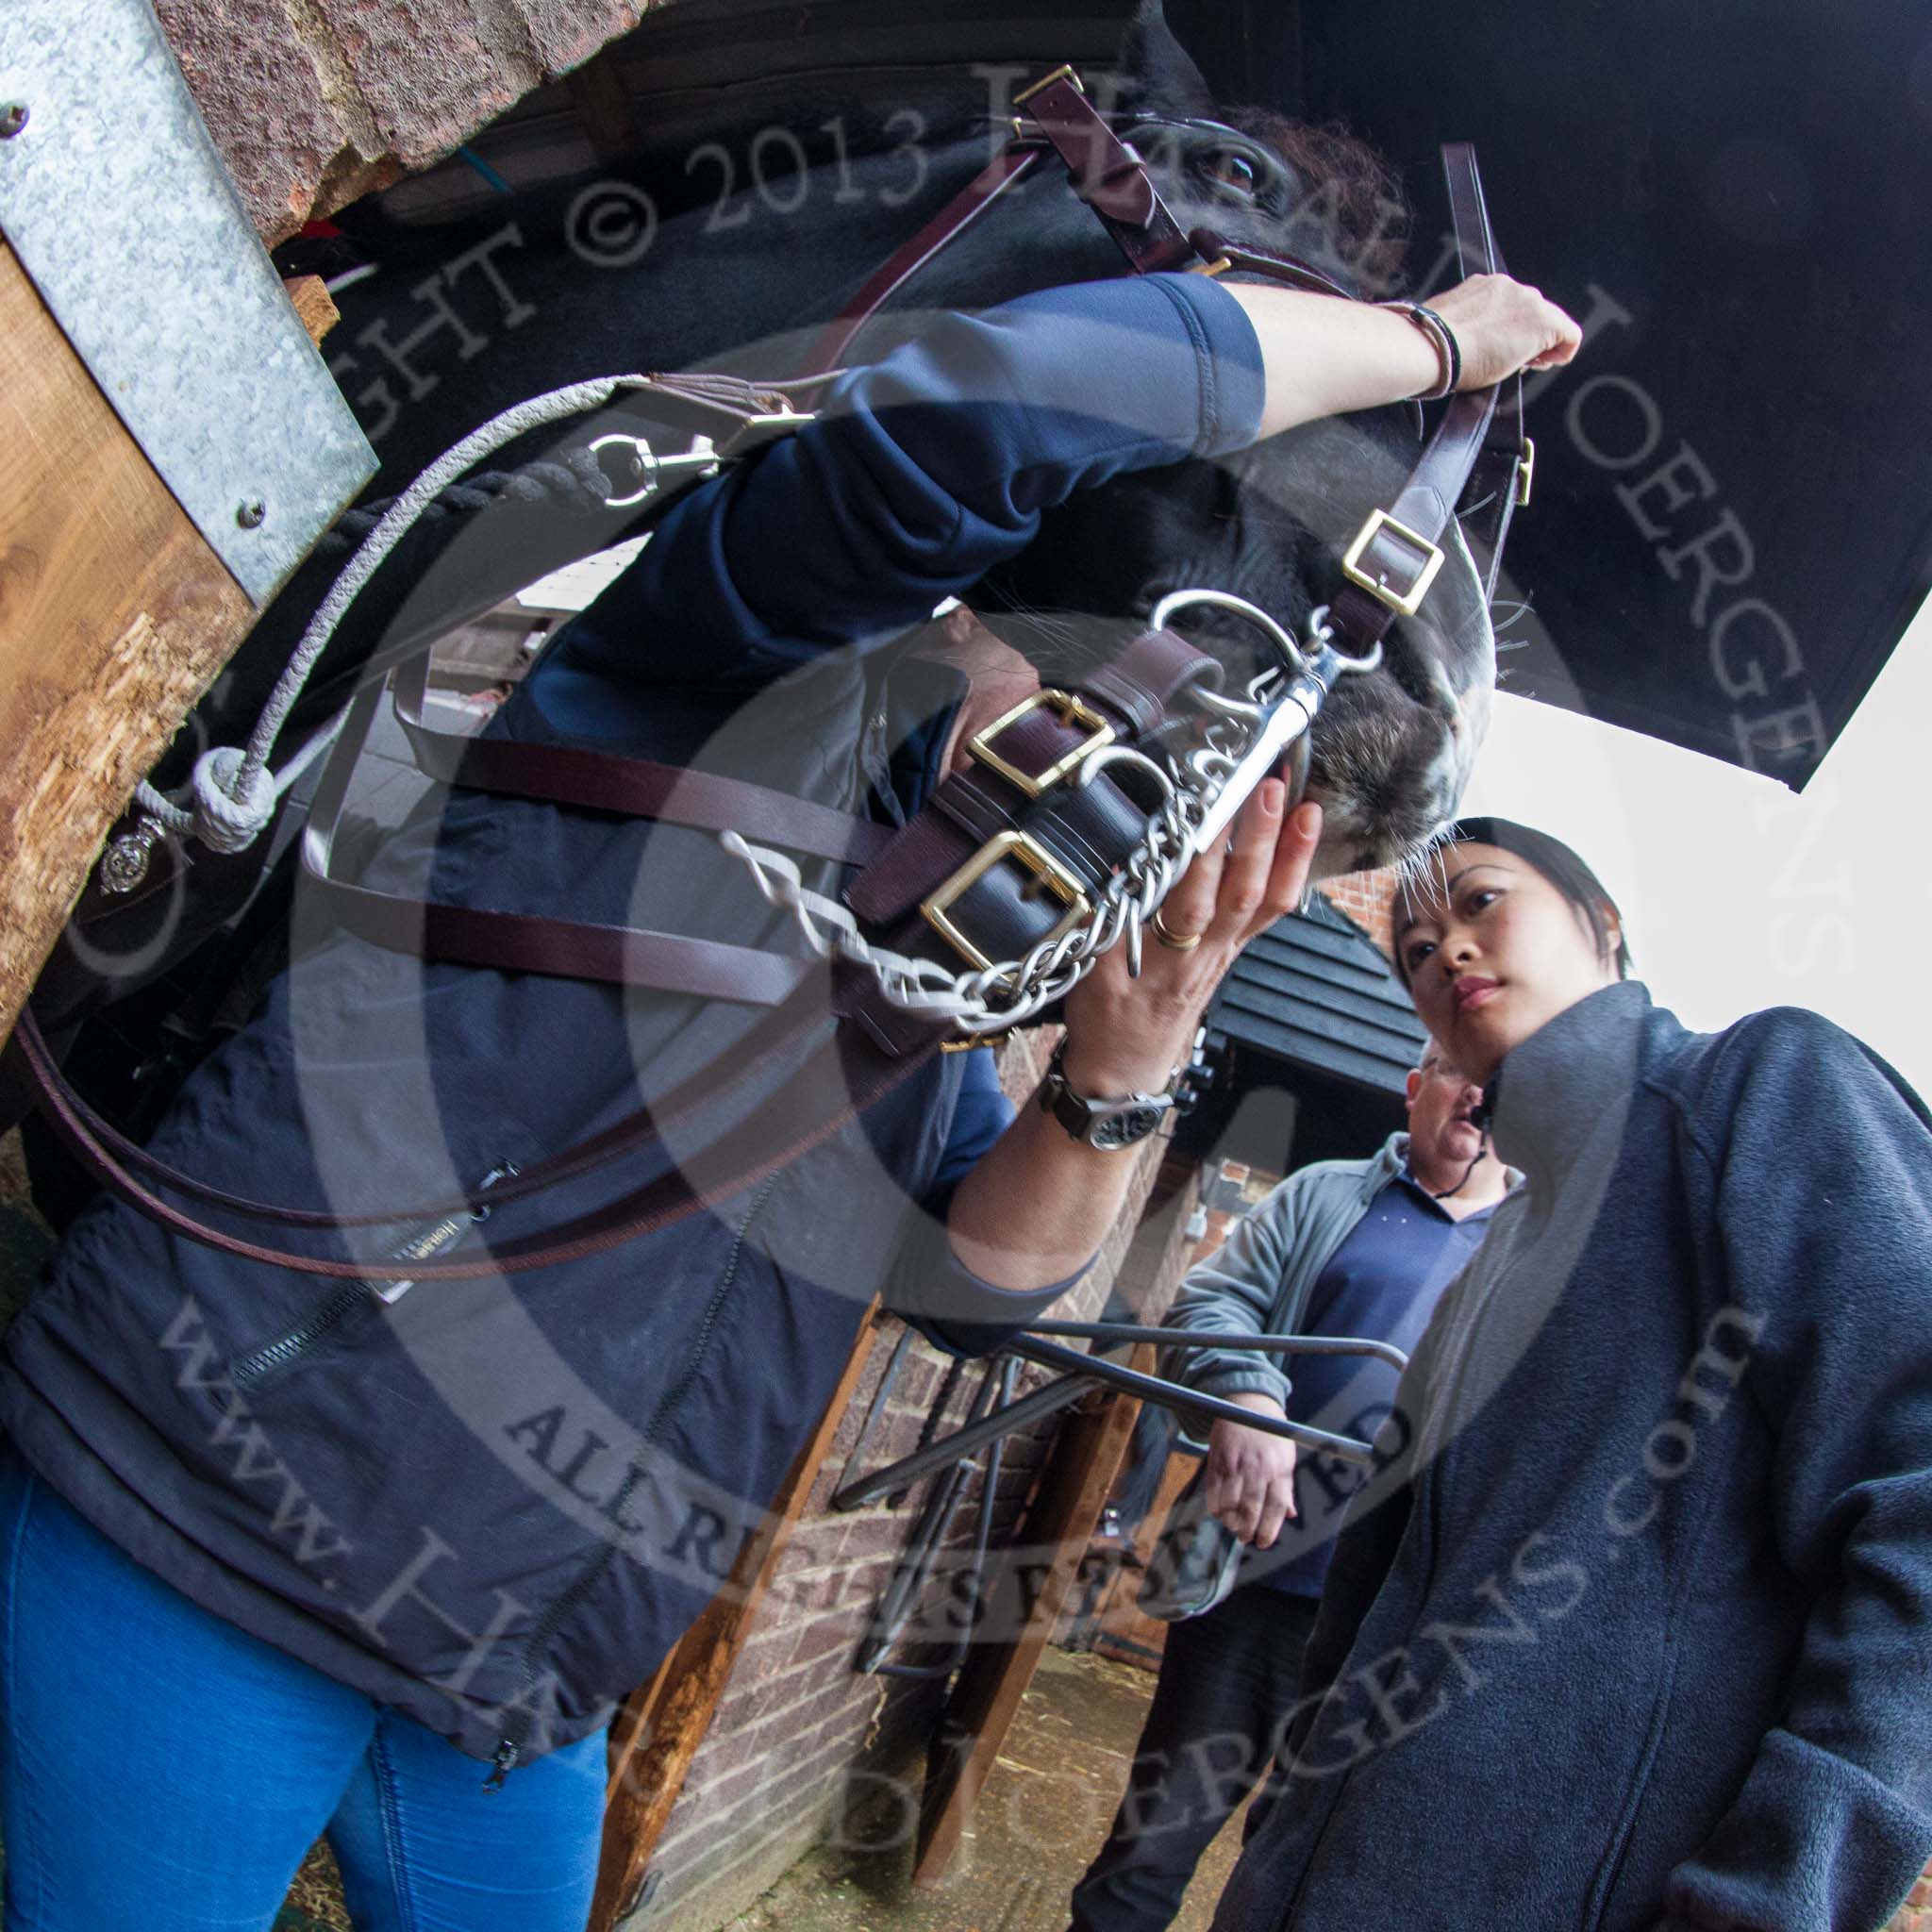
pixel 1476 453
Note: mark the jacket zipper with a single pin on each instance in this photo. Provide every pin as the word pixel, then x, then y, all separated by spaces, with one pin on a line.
pixel 509 1747
pixel 351 1295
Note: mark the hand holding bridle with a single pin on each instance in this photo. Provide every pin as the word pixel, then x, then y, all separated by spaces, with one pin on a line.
pixel 1502 326
pixel 1126 1035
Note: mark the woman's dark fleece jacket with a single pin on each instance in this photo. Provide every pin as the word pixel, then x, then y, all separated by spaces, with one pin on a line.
pixel 1643 1637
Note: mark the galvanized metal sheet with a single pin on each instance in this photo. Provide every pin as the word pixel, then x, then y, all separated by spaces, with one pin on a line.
pixel 115 201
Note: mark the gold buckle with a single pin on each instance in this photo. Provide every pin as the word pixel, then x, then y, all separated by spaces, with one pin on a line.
pixel 1072 711
pixel 1525 470
pixel 1064 72
pixel 974 1042
pixel 1407 602
pixel 1219 266
pixel 1037 859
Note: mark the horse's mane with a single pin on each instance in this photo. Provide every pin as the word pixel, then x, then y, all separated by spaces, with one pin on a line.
pixel 1356 215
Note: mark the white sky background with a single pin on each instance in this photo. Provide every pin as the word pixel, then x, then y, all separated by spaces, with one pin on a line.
pixel 1736 893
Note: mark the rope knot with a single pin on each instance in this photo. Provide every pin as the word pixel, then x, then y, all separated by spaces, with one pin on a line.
pixel 227 817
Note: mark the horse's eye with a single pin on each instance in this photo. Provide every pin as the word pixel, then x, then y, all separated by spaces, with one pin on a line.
pixel 1235 170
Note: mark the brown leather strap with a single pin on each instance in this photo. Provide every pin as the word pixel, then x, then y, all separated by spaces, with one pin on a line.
pixel 1089 828
pixel 1107 175
pixel 1278 266
pixel 1488 501
pixel 31 1065
pixel 519 942
pixel 1440 479
pixel 1142 683
pixel 1010 165
pixel 780 1129
pixel 634 786
pixel 985 817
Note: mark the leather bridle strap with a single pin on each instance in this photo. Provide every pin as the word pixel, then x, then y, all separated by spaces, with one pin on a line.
pixel 632 787
pixel 1107 173
pixel 1498 481
pixel 1393 549
pixel 1009 166
pixel 30 1063
pixel 522 942
pixel 781 1128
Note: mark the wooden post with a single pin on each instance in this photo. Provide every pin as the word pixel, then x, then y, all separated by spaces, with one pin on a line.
pixel 1026 1601
pixel 657 1733
pixel 115 617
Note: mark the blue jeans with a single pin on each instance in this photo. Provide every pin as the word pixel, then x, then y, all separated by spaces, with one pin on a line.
pixel 160 1768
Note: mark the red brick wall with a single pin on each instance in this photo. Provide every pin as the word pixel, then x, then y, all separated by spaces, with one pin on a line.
pixel 314 102
pixel 1367 897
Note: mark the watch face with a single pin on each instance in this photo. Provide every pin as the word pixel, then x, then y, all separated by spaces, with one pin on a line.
pixel 1122 1129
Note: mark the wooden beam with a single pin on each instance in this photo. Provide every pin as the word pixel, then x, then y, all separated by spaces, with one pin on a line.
pixel 313 303
pixel 115 617
pixel 657 1733
pixel 1026 1601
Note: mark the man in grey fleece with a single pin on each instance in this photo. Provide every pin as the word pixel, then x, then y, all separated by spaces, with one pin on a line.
pixel 1344 1247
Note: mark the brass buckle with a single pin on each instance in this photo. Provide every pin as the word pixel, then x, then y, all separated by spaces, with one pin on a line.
pixel 1219 266
pixel 1072 711
pixel 974 1042
pixel 1037 859
pixel 1406 602
pixel 1525 471
pixel 1065 72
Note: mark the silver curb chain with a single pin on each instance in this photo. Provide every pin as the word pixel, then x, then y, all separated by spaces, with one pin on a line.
pixel 1240 742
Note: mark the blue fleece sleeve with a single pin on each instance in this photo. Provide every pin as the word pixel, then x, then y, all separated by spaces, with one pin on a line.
pixel 1233 1291
pixel 922 471
pixel 1823 1192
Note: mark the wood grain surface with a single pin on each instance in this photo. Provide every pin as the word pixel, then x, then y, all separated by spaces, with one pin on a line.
pixel 115 617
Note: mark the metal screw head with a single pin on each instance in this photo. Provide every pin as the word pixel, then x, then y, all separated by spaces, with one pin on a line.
pixel 13 118
pixel 125 864
pixel 251 514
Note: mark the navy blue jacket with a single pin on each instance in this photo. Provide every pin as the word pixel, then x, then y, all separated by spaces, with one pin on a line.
pixel 496 1503
pixel 1641 1638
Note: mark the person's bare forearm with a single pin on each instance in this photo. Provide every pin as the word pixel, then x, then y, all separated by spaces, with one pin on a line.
pixel 1323 357
pixel 1039 1203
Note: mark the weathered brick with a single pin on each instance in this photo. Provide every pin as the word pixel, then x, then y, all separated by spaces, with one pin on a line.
pixel 1368 898
pixel 877 1531
pixel 834 1634
pixel 314 102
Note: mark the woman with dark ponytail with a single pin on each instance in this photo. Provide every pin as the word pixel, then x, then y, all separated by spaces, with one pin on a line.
pixel 1636 1638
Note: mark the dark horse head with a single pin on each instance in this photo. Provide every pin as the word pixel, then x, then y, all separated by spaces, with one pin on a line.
pixel 1391 753
pixel 730 239
pixel 747 258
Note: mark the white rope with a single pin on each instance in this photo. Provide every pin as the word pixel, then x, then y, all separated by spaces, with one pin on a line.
pixel 232 793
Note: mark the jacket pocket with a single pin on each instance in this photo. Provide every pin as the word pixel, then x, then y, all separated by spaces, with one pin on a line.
pixel 349 1305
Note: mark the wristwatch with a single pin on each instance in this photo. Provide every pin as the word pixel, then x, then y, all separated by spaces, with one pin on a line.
pixel 1106 1125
